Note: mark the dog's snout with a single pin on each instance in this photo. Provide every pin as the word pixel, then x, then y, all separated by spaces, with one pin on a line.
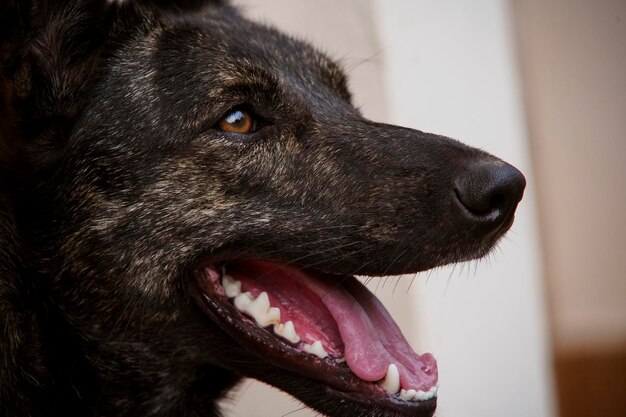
pixel 489 191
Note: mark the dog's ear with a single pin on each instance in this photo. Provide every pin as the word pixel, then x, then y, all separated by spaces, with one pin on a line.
pixel 48 53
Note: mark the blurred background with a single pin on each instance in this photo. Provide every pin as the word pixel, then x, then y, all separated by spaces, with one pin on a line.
pixel 539 327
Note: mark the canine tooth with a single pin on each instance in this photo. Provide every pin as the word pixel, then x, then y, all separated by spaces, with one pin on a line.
pixel 287 331
pixel 232 287
pixel 243 300
pixel 408 395
pixel 391 381
pixel 316 349
pixel 340 360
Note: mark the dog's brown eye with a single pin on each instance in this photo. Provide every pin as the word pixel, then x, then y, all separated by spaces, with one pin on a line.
pixel 238 121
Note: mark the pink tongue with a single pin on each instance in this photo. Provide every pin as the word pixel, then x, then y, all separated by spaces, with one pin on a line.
pixel 371 338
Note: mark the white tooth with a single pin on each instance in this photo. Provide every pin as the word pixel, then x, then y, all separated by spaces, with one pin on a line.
pixel 243 300
pixel 412 395
pixel 421 395
pixel 316 349
pixel 279 329
pixel 232 287
pixel 391 381
pixel 287 331
pixel 272 317
pixel 340 360
pixel 426 395
pixel 258 308
pixel 408 395
pixel 290 332
pixel 262 302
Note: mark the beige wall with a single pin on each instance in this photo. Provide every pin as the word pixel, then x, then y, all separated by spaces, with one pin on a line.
pixel 451 69
pixel 574 65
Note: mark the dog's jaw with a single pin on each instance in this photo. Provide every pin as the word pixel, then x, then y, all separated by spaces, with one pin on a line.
pixel 343 338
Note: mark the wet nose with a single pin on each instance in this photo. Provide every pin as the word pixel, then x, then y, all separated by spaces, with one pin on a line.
pixel 489 191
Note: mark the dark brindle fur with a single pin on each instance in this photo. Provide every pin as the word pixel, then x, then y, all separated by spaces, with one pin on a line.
pixel 115 183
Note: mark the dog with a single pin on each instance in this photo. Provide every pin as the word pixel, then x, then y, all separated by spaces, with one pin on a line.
pixel 185 198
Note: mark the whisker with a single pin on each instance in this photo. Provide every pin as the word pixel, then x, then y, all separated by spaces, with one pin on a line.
pixel 295 411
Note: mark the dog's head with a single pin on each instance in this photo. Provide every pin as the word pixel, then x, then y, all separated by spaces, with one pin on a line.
pixel 193 194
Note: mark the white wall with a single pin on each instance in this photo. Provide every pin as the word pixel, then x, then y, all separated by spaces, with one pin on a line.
pixel 443 66
pixel 451 69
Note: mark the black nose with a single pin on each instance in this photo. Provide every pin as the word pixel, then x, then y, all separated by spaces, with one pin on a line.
pixel 489 191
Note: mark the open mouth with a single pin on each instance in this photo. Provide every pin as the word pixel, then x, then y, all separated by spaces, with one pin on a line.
pixel 329 328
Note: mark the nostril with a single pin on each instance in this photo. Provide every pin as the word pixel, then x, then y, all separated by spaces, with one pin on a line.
pixel 490 190
pixel 497 200
pixel 478 208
